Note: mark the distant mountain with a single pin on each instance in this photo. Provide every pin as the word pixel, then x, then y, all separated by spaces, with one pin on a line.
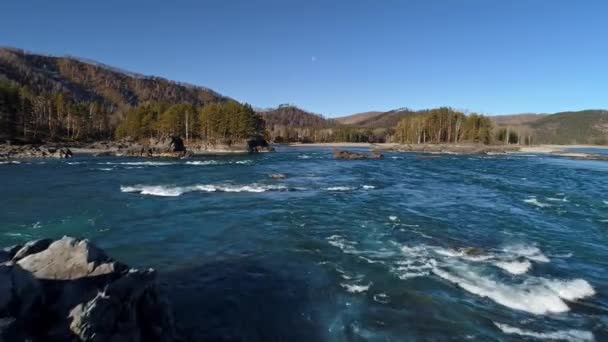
pixel 388 119
pixel 355 119
pixel 292 116
pixel 88 81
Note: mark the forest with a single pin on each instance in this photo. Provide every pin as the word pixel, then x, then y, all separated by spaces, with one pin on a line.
pixel 215 121
pixel 443 125
pixel 63 99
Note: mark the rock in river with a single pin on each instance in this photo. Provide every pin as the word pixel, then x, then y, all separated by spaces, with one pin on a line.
pixel 70 290
pixel 342 154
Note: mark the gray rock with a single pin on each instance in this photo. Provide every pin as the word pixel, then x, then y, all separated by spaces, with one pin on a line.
pixel 70 289
pixel 32 247
pixel 342 154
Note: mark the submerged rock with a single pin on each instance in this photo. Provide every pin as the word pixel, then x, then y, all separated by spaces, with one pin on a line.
pixel 69 289
pixel 342 154
pixel 277 176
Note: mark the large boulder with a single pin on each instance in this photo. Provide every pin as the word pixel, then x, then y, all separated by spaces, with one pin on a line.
pixel 70 289
pixel 170 147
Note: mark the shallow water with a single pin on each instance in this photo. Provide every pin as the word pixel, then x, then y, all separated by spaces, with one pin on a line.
pixel 408 247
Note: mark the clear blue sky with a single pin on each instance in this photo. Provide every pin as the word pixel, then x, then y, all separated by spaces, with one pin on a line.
pixel 341 57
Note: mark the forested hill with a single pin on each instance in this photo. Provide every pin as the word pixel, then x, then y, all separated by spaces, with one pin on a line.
pixel 63 98
pixel 377 119
pixel 94 82
pixel 580 127
pixel 292 116
pixel 583 127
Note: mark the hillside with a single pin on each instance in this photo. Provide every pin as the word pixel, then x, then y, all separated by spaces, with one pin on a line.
pixel 386 119
pixel 582 127
pixel 355 119
pixel 292 116
pixel 515 119
pixel 64 98
pixel 91 81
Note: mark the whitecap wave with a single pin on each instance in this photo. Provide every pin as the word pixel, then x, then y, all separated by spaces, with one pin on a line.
pixel 356 288
pixel 534 201
pixel 536 295
pixel 514 267
pixel 382 298
pixel 10 162
pixel 155 190
pixel 340 188
pixel 202 162
pixel 140 163
pixel 350 188
pixel 529 252
pixel 555 199
pixel 565 335
pixel 173 191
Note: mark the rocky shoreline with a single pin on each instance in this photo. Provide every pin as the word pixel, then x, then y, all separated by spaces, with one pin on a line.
pixel 8 152
pixel 70 290
pixel 170 147
pixel 450 148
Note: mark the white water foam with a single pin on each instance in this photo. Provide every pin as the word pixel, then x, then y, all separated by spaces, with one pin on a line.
pixel 392 218
pixel 368 187
pixel 340 188
pixel 529 252
pixel 144 163
pixel 202 162
pixel 554 199
pixel 382 298
pixel 356 288
pixel 535 202
pixel 564 335
pixel 10 162
pixel 154 190
pixel 514 267
pixel 172 191
pixel 537 295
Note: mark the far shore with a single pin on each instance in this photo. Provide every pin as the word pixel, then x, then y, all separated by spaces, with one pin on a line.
pixel 545 148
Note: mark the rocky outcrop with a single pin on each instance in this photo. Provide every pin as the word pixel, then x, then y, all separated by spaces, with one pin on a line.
pixel 33 151
pixel 70 290
pixel 169 147
pixel 342 154
pixel 253 145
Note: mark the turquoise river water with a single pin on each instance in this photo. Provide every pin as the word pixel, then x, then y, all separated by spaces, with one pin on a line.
pixel 409 247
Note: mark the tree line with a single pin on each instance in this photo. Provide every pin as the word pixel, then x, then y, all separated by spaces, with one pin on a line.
pixel 30 116
pixel 443 125
pixel 216 121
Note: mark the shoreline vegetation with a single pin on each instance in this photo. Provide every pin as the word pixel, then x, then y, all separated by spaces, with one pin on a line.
pixel 52 107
